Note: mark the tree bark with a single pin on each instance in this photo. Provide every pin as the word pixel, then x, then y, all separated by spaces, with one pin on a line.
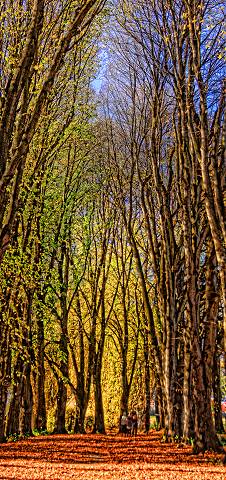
pixel 5 375
pixel 40 418
pixel 205 435
pixel 219 427
pixel 146 380
pixel 99 425
pixel 26 404
pixel 61 401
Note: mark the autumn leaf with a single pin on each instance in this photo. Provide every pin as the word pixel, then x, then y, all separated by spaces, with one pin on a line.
pixel 111 457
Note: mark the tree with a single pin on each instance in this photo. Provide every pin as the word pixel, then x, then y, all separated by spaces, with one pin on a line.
pixel 25 214
pixel 33 54
pixel 161 190
pixel 124 324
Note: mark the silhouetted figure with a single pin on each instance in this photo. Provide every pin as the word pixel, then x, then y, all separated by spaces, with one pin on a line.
pixel 124 424
pixel 129 424
pixel 134 423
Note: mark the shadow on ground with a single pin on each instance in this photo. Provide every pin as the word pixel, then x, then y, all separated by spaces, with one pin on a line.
pixel 94 449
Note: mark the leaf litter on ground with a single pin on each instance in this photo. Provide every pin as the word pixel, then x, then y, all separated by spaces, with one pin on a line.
pixel 105 457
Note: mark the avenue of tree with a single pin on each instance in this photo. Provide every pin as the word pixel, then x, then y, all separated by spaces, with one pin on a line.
pixel 112 216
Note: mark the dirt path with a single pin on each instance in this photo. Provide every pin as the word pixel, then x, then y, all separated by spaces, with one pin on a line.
pixel 111 457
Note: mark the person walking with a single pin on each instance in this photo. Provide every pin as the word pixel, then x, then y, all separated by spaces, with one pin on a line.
pixel 129 424
pixel 123 424
pixel 134 423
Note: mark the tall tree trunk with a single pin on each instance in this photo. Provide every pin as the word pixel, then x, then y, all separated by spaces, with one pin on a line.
pixel 147 382
pixel 12 426
pixel 219 427
pixel 5 376
pixel 205 432
pixel 205 436
pixel 20 410
pixel 61 401
pixel 187 393
pixel 159 406
pixel 81 408
pixel 3 401
pixel 124 398
pixel 83 387
pixel 25 415
pixel 99 425
pixel 40 419
pixel 15 398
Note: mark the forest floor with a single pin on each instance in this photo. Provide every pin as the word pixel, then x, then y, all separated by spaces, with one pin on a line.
pixel 105 457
